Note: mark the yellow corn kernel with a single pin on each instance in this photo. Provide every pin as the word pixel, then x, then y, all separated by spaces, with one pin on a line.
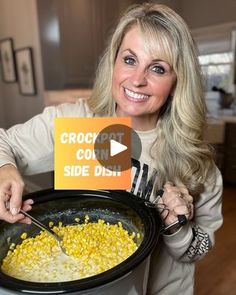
pixel 51 223
pixel 12 246
pixel 23 236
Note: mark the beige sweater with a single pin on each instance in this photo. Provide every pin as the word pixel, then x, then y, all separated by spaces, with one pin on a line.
pixel 30 146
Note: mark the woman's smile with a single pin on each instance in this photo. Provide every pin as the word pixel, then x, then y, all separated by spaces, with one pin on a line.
pixel 135 96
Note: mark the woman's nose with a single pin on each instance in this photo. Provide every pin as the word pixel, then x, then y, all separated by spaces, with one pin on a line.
pixel 139 78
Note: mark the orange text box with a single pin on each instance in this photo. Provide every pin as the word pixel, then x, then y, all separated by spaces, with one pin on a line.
pixel 76 166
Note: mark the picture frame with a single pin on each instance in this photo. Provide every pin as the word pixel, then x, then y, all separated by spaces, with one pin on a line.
pixel 8 63
pixel 25 71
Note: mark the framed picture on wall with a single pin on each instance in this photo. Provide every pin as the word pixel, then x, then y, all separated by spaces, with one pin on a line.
pixel 25 71
pixel 8 65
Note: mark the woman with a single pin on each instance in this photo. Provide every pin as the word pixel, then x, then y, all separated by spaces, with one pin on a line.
pixel 150 73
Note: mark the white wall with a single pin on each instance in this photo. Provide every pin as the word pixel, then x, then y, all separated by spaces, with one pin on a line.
pixel 18 20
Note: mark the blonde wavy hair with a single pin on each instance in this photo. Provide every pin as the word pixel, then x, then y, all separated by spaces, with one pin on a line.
pixel 182 155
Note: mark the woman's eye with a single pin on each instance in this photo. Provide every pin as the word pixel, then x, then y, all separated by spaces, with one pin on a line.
pixel 158 69
pixel 129 60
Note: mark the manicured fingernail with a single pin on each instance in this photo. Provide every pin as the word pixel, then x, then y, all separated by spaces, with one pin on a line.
pixel 15 211
pixel 28 221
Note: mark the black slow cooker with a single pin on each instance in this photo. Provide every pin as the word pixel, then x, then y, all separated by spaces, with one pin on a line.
pixel 112 206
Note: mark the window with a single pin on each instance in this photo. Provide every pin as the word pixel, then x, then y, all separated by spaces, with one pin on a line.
pixel 217 70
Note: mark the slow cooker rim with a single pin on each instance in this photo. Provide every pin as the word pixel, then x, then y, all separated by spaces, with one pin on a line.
pixel 145 248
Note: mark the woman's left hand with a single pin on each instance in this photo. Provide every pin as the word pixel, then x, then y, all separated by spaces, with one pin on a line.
pixel 178 202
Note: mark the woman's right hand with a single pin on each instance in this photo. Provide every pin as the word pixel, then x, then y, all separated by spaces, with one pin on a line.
pixel 11 190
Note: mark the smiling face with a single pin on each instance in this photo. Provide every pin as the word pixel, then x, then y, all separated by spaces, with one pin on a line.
pixel 141 84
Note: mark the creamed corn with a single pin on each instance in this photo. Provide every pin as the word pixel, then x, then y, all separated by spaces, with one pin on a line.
pixel 92 248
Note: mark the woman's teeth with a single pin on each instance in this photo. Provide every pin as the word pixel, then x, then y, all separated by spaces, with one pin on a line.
pixel 136 96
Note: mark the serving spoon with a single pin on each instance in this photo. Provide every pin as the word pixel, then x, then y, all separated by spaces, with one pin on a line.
pixel 47 229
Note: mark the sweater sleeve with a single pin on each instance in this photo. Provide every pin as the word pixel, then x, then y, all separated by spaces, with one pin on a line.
pixel 30 146
pixel 196 238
